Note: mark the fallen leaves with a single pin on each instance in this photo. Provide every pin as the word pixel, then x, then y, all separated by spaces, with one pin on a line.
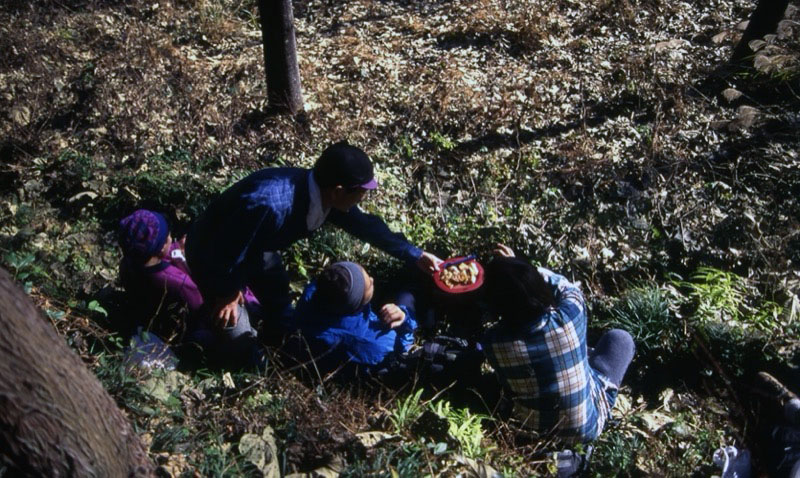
pixel 261 451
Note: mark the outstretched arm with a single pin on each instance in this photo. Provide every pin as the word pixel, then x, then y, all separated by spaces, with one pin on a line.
pixel 428 262
pixel 372 229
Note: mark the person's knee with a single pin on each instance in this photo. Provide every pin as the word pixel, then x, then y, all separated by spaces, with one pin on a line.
pixel 621 341
pixel 613 354
pixel 406 299
pixel 242 326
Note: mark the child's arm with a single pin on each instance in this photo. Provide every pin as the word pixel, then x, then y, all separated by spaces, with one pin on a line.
pixel 404 328
pixel 409 324
pixel 181 286
pixel 568 296
pixel 392 315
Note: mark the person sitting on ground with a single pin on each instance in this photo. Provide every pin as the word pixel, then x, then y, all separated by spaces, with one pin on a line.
pixel 335 316
pixel 154 273
pixel 538 349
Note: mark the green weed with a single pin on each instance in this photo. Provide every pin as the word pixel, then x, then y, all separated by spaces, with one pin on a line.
pixel 20 263
pixel 442 142
pixel 615 454
pixel 645 313
pixel 464 426
pixel 215 461
pixel 404 147
pixel 407 411
pixel 266 403
pixel 716 294
pixel 173 178
pixel 25 268
pixel 117 379
pixel 76 165
pixel 94 306
pixel 170 438
pixel 406 460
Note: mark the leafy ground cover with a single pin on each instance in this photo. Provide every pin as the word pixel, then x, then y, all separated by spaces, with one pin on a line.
pixel 606 140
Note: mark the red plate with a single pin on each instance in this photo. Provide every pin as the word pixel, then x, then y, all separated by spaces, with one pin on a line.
pixel 459 289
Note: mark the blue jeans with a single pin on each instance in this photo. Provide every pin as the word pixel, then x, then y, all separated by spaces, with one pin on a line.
pixel 612 355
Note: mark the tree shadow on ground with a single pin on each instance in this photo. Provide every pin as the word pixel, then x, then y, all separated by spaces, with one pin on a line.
pixel 303 9
pixel 55 5
pixel 738 160
pixel 624 104
pixel 781 91
pixel 505 40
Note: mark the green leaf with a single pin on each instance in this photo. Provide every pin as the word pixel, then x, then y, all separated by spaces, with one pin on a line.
pixel 440 448
pixel 95 306
pixel 54 314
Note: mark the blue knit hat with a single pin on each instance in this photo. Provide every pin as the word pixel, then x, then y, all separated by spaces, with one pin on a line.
pixel 142 234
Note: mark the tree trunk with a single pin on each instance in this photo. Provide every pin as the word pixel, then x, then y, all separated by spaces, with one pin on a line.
pixel 280 55
pixel 763 21
pixel 56 419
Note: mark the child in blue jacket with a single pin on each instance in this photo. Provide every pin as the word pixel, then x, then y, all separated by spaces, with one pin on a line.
pixel 336 318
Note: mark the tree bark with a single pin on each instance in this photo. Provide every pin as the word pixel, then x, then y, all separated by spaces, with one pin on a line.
pixel 56 419
pixel 280 55
pixel 763 21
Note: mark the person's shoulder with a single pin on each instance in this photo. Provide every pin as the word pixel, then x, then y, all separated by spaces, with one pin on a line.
pixel 547 273
pixel 270 178
pixel 174 272
pixel 272 187
pixel 278 174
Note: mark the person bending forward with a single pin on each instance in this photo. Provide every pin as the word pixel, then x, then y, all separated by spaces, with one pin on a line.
pixel 235 242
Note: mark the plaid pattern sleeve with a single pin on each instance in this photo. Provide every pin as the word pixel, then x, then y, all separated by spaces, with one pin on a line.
pixel 545 365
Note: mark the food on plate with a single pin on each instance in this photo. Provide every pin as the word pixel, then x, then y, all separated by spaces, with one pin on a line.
pixel 462 274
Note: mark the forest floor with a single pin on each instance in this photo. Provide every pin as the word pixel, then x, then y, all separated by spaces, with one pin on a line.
pixel 606 140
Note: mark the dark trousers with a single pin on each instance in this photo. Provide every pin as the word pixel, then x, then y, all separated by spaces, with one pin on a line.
pixel 230 347
pixel 268 280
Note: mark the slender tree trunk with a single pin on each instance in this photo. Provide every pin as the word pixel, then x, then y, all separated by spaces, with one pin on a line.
pixel 763 21
pixel 56 420
pixel 280 55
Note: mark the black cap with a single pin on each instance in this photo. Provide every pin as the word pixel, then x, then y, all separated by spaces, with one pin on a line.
pixel 344 165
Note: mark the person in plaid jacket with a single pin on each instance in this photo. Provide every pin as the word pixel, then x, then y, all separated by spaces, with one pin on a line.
pixel 538 349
